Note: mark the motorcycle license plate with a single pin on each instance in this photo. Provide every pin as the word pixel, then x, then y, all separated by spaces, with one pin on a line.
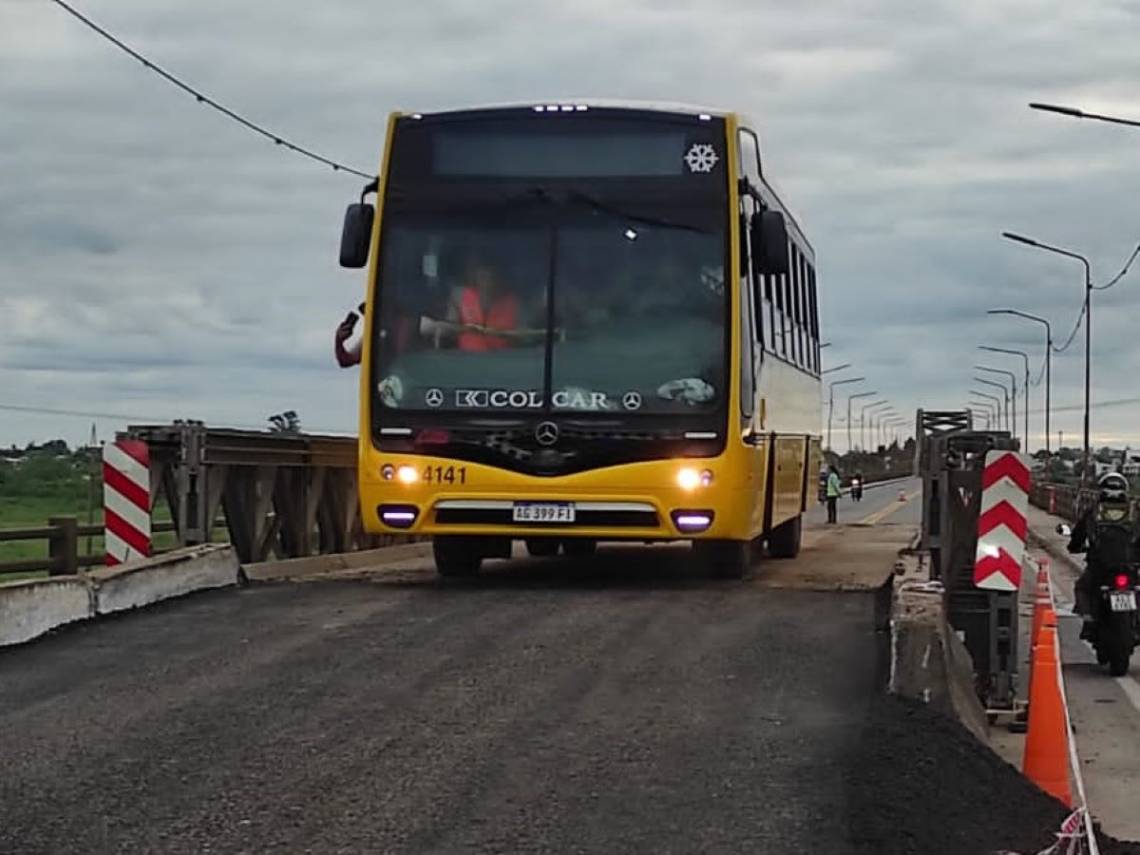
pixel 1122 601
pixel 543 512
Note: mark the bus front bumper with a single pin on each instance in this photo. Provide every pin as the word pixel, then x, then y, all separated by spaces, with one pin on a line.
pixel 587 505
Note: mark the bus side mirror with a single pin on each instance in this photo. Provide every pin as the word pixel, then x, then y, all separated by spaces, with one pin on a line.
pixel 356 236
pixel 769 236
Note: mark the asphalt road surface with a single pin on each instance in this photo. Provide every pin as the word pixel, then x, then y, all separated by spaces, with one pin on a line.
pixel 622 704
pixel 877 499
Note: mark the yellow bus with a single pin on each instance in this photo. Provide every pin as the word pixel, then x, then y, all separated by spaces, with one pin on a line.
pixel 585 321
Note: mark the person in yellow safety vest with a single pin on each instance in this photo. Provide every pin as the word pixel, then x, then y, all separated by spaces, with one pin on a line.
pixel 834 489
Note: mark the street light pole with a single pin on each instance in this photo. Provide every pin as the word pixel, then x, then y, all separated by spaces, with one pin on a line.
pixel 1010 425
pixel 894 425
pixel 1025 359
pixel 882 418
pixel 996 401
pixel 1075 113
pixel 1013 385
pixel 1088 327
pixel 1048 367
pixel 831 402
pixel 991 418
pixel 851 398
pixel 863 421
pixel 984 410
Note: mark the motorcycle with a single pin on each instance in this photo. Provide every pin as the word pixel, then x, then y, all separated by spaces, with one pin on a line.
pixel 856 489
pixel 1115 631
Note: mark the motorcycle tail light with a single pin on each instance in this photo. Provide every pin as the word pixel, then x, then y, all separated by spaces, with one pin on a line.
pixel 1121 581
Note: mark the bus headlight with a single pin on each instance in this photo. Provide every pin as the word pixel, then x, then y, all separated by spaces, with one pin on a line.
pixel 690 479
pixel 407 475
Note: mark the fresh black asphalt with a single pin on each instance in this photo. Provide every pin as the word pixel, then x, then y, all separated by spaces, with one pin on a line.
pixel 627 706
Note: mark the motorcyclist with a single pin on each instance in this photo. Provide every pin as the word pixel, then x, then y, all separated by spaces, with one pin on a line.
pixel 1106 533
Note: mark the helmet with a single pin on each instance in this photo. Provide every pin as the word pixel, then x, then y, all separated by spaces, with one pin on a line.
pixel 1112 489
pixel 1113 497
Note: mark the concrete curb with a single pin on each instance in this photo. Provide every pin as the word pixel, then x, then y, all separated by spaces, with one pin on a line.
pixel 32 608
pixel 174 574
pixel 29 609
pixel 318 565
pixel 929 662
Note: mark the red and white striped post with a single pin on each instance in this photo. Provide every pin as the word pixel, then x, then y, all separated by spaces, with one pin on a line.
pixel 126 500
pixel 1003 523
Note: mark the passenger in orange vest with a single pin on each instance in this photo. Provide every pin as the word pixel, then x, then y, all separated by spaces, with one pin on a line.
pixel 483 303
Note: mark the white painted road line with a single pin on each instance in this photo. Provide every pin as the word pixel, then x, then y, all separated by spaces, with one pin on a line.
pixel 1131 689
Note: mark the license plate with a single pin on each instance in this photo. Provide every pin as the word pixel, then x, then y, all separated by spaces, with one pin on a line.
pixel 1122 601
pixel 544 512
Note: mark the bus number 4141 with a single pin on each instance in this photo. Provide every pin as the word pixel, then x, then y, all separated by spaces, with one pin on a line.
pixel 445 474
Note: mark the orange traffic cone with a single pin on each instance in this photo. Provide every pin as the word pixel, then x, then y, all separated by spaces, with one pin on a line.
pixel 1046 760
pixel 1042 614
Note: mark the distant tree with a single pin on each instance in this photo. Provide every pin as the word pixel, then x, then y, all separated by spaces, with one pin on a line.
pixel 286 422
pixel 53 448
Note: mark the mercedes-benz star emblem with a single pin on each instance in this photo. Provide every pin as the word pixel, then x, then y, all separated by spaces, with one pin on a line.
pixel 546 433
pixel 433 398
pixel 631 401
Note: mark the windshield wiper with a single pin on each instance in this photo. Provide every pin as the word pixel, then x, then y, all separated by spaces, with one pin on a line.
pixel 598 205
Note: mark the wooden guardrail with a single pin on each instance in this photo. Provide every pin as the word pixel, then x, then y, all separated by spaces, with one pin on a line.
pixel 62 535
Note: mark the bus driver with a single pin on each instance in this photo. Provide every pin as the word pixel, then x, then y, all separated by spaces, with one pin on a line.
pixel 483 314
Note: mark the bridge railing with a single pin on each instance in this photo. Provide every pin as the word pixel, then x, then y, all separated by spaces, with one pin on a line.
pixel 277 495
pixel 63 535
pixel 1062 500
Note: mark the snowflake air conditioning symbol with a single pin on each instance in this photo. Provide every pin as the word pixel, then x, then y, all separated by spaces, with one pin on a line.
pixel 701 158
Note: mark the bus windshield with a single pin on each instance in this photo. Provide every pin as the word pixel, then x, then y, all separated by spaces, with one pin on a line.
pixel 572 298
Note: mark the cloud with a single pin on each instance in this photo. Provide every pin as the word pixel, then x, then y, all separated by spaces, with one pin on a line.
pixel 153 254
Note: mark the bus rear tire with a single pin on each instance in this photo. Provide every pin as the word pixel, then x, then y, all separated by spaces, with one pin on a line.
pixel 579 547
pixel 724 559
pixel 542 547
pixel 784 540
pixel 456 557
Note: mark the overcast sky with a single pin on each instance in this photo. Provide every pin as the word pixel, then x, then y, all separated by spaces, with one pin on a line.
pixel 157 260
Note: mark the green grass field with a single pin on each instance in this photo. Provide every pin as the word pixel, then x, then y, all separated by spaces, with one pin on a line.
pixel 43 488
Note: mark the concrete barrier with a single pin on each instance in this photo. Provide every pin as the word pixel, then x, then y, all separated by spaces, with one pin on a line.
pixel 173 574
pixel 317 565
pixel 29 609
pixel 928 661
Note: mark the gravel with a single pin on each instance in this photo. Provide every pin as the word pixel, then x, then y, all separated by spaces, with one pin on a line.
pixel 921 783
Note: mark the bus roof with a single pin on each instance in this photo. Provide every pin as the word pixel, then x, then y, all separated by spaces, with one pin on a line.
pixel 602 103
pixel 676 108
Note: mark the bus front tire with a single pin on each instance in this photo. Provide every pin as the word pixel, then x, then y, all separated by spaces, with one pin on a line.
pixel 784 540
pixel 725 559
pixel 456 557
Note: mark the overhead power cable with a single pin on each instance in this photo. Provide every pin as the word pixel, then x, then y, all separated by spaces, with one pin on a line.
pixel 202 98
pixel 1073 334
pixel 1122 272
pixel 1111 282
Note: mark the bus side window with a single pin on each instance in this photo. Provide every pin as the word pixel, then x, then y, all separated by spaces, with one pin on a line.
pixel 769 310
pixel 801 314
pixel 781 338
pixel 794 305
pixel 750 335
pixel 813 300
